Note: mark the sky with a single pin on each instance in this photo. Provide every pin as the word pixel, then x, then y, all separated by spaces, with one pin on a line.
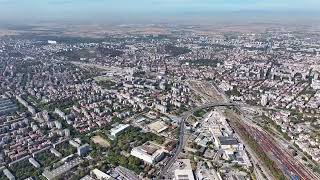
pixel 113 11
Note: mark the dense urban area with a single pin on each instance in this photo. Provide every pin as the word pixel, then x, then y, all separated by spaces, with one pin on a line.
pixel 181 105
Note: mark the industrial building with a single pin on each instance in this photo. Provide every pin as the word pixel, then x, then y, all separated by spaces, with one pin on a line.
pixel 226 142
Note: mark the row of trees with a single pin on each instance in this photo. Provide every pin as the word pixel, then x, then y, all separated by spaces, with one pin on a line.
pixel 130 162
pixel 24 169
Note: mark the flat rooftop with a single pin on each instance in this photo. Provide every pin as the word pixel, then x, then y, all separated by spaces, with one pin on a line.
pixel 62 169
pixel 228 140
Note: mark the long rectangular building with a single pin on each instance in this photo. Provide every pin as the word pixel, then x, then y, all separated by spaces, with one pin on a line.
pixel 50 175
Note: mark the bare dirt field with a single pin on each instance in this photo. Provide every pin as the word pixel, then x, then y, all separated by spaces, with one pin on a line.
pixel 101 141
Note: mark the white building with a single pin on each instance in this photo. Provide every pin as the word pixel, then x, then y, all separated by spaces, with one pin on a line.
pixel 66 132
pixel 52 42
pixel 315 84
pixel 184 171
pixel 60 113
pixel 264 100
pixel 8 174
pixel 55 152
pixel 34 163
pixel 58 124
pixel 73 143
pixel 161 108
pixel 225 86
pixel 149 153
pixel 101 175
pixel 114 132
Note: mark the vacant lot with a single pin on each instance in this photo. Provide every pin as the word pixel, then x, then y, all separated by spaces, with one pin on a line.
pixel 99 140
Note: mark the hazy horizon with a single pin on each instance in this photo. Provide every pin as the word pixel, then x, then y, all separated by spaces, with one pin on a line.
pixel 158 11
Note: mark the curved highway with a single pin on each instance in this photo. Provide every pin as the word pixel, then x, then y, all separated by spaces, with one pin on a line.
pixel 181 140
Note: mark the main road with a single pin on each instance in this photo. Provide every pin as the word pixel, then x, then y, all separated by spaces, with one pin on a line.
pixel 165 169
